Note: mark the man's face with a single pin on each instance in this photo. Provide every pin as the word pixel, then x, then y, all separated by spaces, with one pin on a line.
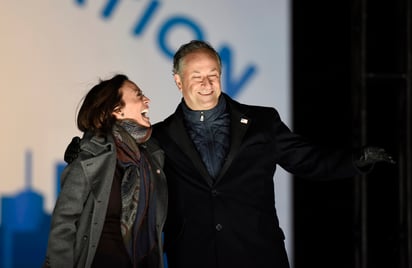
pixel 199 81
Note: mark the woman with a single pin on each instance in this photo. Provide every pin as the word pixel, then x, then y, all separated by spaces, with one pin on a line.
pixel 113 200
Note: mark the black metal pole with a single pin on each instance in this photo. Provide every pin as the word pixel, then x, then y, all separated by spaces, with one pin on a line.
pixel 408 156
pixel 360 114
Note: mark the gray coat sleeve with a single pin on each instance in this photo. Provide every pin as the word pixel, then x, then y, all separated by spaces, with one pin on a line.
pixel 74 192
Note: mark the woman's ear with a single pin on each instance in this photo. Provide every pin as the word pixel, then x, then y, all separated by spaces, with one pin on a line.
pixel 117 112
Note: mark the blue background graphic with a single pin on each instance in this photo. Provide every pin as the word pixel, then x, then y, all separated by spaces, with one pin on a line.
pixel 25 224
pixel 53 49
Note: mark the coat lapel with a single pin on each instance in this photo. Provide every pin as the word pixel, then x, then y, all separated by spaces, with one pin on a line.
pixel 239 123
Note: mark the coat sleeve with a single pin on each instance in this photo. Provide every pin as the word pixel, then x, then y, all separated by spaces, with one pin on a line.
pixel 303 158
pixel 67 211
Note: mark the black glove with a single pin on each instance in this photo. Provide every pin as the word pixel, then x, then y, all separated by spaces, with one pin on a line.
pixel 72 150
pixel 368 156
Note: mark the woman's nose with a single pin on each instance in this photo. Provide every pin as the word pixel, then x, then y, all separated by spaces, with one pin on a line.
pixel 146 99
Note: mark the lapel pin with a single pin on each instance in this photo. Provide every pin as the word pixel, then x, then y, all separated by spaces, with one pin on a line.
pixel 243 120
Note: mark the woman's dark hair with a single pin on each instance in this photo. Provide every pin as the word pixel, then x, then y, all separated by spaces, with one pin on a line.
pixel 95 114
pixel 188 48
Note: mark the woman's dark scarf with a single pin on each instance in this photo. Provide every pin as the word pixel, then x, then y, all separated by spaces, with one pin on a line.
pixel 137 220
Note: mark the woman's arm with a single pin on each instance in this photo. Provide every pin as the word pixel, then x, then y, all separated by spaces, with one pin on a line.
pixel 68 209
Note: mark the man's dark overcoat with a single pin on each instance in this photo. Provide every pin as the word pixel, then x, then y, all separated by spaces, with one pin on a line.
pixel 231 222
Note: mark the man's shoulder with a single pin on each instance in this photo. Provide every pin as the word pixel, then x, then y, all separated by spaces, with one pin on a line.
pixel 177 115
pixel 162 128
pixel 251 110
pixel 164 123
pixel 246 107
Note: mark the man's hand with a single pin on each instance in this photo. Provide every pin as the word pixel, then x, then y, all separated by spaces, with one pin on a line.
pixel 368 156
pixel 72 150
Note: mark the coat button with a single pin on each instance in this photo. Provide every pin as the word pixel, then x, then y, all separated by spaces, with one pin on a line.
pixel 214 192
pixel 219 227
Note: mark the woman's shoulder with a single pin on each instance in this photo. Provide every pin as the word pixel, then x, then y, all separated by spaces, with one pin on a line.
pixel 96 144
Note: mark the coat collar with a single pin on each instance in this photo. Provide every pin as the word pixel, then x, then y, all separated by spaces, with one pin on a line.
pixel 204 115
pixel 239 123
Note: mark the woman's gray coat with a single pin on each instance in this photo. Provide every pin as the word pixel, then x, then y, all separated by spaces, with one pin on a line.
pixel 80 209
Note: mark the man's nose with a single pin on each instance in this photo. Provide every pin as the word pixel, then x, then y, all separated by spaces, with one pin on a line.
pixel 206 82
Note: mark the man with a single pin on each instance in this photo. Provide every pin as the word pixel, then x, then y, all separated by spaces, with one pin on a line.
pixel 220 159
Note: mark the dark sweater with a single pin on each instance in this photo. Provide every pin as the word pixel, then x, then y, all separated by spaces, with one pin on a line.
pixel 111 251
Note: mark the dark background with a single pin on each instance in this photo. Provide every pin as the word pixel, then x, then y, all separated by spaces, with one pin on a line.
pixel 352 76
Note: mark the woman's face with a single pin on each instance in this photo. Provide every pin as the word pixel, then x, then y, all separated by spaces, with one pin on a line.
pixel 136 105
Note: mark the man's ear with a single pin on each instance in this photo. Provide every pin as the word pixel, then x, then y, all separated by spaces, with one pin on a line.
pixel 178 81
